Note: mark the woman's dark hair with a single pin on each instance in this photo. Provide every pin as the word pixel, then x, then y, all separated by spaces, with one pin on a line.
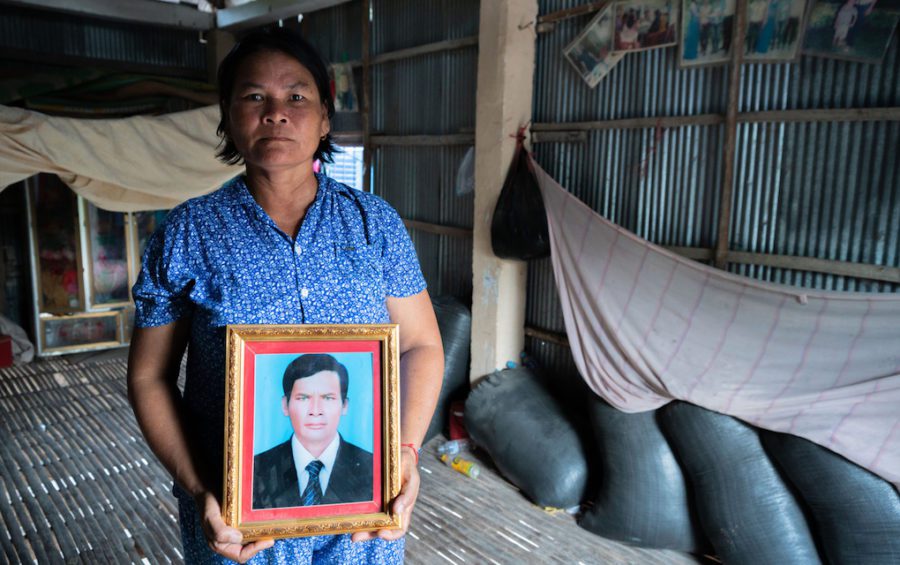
pixel 271 39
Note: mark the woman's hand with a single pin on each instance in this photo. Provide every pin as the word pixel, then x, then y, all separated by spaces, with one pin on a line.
pixel 221 538
pixel 405 501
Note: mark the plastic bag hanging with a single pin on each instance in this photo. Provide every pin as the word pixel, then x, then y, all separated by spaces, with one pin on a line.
pixel 519 225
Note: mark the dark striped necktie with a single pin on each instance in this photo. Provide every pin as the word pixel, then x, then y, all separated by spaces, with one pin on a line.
pixel 312 494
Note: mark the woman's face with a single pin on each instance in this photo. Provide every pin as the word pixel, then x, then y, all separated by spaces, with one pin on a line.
pixel 276 118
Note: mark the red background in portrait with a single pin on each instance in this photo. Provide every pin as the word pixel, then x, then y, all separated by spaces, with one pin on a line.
pixel 251 349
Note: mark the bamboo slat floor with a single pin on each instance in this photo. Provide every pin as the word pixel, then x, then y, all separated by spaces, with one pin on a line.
pixel 78 484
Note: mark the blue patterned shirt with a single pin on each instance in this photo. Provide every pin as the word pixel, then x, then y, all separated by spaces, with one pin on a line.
pixel 222 260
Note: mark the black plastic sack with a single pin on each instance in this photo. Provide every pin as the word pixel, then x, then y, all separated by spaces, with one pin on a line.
pixel 455 324
pixel 745 508
pixel 855 514
pixel 529 436
pixel 519 225
pixel 642 498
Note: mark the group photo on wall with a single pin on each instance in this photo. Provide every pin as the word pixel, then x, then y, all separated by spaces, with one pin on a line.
pixel 776 31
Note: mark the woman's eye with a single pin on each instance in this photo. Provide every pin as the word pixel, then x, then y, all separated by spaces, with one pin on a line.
pixel 296 97
pixel 253 97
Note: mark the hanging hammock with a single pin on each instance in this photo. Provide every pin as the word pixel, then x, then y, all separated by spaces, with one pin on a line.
pixel 647 326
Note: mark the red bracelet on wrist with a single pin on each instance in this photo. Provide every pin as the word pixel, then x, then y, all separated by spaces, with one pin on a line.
pixel 414 449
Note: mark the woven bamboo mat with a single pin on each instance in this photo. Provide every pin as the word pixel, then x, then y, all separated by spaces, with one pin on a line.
pixel 79 485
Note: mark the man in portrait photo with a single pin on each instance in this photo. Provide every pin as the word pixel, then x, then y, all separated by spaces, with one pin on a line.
pixel 315 465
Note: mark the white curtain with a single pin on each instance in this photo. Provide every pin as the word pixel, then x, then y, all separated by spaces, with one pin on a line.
pixel 123 165
pixel 647 326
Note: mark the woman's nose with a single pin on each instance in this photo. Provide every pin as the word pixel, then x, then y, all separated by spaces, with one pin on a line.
pixel 274 113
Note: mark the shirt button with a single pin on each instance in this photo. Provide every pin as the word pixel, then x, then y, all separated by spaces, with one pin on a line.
pixel 304 292
pixel 297 249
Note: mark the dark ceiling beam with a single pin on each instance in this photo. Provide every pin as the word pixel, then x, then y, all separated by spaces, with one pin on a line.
pixel 263 12
pixel 154 13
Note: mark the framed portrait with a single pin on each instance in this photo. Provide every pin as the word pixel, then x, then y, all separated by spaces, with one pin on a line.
pixel 859 30
pixel 774 30
pixel 706 32
pixel 644 24
pixel 312 429
pixel 591 52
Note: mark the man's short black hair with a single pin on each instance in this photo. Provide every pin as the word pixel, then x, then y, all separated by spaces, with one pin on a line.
pixel 310 364
pixel 271 39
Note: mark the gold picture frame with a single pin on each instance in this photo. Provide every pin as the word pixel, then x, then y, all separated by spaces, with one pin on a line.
pixel 262 496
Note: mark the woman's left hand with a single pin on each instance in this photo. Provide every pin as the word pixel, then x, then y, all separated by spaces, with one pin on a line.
pixel 405 501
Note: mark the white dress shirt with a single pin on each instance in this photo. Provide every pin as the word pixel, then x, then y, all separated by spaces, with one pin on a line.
pixel 302 458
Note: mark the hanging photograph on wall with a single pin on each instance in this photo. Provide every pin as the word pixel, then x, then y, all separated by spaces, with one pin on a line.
pixel 774 30
pixel 591 52
pixel 343 88
pixel 644 24
pixel 856 30
pixel 706 32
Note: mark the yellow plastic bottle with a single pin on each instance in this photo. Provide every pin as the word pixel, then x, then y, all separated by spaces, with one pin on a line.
pixel 464 466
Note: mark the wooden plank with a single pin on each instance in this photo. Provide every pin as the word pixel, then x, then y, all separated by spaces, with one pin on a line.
pixel 695 253
pixel 839 268
pixel 633 123
pixel 366 100
pixel 544 335
pixel 728 151
pixel 559 136
pixel 886 114
pixel 812 264
pixel 425 49
pixel 567 13
pixel 423 140
pixel 436 47
pixel 438 228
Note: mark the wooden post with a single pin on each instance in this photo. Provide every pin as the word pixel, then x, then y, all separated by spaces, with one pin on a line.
pixel 506 51
pixel 731 120
pixel 366 107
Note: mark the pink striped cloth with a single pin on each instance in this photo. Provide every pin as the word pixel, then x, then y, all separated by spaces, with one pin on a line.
pixel 647 326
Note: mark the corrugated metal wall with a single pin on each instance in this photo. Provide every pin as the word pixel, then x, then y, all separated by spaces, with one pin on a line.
pixel 66 35
pixel 427 94
pixel 824 190
pixel 336 32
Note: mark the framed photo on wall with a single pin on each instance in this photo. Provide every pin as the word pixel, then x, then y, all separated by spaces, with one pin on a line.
pixel 774 30
pixel 312 430
pixel 644 24
pixel 859 30
pixel 591 52
pixel 706 32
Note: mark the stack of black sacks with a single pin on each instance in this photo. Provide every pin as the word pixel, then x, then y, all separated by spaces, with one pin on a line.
pixel 680 477
pixel 683 477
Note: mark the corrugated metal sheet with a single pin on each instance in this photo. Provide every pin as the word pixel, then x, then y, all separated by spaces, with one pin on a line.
pixel 429 94
pixel 56 34
pixel 336 32
pixel 824 190
pixel 401 24
pixel 420 183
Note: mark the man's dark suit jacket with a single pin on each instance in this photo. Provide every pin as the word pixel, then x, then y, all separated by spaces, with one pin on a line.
pixel 275 477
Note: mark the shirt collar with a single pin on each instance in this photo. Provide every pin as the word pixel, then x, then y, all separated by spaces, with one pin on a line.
pixel 302 458
pixel 241 194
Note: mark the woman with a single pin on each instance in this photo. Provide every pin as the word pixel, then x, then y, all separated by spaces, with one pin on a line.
pixel 281 245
